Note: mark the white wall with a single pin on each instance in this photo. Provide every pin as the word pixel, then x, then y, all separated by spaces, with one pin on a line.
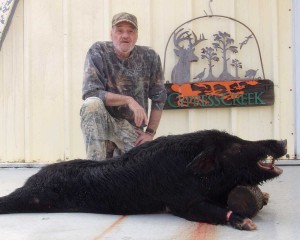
pixel 296 32
pixel 41 67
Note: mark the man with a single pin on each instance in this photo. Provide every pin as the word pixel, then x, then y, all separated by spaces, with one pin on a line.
pixel 119 77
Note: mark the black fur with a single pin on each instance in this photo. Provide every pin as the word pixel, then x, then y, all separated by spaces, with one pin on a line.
pixel 188 175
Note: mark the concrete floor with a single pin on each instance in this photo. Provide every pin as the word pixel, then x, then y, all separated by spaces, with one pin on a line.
pixel 277 221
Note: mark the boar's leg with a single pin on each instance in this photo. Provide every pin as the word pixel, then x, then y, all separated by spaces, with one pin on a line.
pixel 201 211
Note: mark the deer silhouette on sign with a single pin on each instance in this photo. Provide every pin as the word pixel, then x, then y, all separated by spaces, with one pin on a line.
pixel 181 71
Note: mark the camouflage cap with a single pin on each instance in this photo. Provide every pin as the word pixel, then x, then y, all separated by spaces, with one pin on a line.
pixel 124 17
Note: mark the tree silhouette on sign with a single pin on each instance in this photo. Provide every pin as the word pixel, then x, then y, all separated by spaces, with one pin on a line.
pixel 209 54
pixel 236 64
pixel 224 42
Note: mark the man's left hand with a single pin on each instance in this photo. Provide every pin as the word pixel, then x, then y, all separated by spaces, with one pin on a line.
pixel 143 137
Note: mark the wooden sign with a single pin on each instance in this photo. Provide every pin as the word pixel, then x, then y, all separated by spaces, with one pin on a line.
pixel 219 78
pixel 215 94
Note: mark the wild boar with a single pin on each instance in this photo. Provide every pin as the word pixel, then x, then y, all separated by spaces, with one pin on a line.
pixel 188 175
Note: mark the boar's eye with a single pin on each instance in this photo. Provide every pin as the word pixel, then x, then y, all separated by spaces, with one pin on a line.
pixel 234 149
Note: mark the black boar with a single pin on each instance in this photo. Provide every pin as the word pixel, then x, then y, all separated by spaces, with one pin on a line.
pixel 188 175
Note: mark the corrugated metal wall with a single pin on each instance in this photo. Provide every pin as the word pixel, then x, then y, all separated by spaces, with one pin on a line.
pixel 41 68
pixel 296 43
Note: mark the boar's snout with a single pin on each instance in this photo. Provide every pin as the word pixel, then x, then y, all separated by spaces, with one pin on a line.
pixel 283 143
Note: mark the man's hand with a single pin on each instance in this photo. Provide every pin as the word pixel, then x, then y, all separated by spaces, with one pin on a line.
pixel 140 116
pixel 143 137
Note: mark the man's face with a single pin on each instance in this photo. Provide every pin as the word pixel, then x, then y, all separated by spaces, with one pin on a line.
pixel 124 36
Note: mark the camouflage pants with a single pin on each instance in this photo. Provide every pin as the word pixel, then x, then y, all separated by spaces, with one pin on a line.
pixel 104 135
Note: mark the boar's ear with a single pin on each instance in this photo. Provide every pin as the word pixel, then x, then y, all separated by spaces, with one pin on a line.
pixel 204 162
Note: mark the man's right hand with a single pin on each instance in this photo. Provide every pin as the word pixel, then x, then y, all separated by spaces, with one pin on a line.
pixel 140 116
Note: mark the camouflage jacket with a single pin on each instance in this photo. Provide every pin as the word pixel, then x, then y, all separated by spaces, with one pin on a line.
pixel 139 76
